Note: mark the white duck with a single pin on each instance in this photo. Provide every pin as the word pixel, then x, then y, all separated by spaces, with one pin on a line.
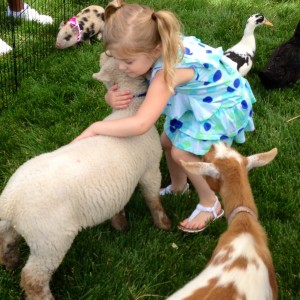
pixel 243 52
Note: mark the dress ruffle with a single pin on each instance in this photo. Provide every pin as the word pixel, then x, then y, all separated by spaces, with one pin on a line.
pixel 215 105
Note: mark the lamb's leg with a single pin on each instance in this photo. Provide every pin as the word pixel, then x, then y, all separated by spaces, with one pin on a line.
pixel 46 254
pixel 119 221
pixel 9 245
pixel 150 185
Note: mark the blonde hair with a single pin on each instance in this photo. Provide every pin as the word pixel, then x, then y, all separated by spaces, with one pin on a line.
pixel 133 28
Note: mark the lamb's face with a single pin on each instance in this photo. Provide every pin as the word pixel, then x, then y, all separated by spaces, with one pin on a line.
pixel 110 74
pixel 108 70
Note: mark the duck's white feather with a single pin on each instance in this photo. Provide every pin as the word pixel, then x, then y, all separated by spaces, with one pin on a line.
pixel 243 52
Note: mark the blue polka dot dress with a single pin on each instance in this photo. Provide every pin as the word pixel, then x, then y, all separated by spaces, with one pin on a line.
pixel 216 105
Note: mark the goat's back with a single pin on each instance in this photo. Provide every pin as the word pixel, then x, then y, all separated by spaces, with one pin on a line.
pixel 240 268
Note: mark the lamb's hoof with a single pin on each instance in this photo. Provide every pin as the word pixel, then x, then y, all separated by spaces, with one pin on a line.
pixel 10 255
pixel 166 224
pixel 10 262
pixel 119 221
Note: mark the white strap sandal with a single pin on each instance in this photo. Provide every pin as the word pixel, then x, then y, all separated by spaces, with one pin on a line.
pixel 200 208
pixel 168 190
pixel 4 48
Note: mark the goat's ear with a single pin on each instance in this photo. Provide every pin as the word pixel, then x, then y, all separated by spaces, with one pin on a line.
pixel 201 168
pixel 261 159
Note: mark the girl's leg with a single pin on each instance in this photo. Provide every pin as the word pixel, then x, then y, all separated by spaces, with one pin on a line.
pixel 207 197
pixel 178 176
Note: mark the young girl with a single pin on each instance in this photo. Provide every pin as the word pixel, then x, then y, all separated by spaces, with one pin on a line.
pixel 204 98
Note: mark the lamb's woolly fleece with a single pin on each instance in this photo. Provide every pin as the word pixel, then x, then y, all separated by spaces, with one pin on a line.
pixel 54 195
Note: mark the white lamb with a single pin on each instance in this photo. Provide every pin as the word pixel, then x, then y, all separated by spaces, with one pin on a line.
pixel 51 197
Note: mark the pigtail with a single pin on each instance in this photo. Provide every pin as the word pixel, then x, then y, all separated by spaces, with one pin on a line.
pixel 138 29
pixel 111 8
pixel 169 29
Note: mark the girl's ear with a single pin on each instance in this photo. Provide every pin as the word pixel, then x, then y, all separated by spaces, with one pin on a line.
pixel 156 52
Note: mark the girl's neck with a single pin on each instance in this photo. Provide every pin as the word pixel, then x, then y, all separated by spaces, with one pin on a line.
pixel 148 74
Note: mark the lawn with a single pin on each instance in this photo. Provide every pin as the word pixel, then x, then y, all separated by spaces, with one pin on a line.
pixel 60 99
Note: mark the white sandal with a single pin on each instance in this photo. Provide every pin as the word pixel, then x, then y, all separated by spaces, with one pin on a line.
pixel 168 190
pixel 200 208
pixel 4 48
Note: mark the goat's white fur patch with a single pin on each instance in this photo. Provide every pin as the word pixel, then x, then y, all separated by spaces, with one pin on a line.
pixel 223 151
pixel 256 273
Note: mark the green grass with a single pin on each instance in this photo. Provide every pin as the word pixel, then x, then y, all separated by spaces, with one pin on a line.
pixel 56 102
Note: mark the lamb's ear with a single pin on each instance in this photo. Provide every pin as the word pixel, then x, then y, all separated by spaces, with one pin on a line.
pixel 261 159
pixel 102 76
pixel 201 168
pixel 62 23
pixel 104 57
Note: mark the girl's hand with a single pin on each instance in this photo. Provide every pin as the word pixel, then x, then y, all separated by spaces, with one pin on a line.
pixel 89 132
pixel 118 100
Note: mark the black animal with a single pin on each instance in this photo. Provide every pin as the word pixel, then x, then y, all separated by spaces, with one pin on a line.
pixel 283 67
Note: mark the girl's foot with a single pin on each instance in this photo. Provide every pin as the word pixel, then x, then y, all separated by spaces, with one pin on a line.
pixel 201 217
pixel 4 48
pixel 29 14
pixel 168 190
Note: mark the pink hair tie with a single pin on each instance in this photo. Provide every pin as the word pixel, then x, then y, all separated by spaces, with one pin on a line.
pixel 74 23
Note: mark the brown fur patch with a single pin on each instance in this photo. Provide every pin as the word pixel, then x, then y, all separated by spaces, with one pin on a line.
pixel 239 263
pixel 213 292
pixel 35 288
pixel 119 221
pixel 220 259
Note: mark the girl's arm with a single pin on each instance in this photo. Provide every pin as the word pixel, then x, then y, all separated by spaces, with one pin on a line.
pixel 156 99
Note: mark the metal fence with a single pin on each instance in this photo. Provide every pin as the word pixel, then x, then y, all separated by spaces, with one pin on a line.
pixel 30 42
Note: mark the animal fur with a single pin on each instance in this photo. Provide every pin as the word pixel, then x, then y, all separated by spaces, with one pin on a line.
pixel 283 67
pixel 241 266
pixel 90 21
pixel 53 196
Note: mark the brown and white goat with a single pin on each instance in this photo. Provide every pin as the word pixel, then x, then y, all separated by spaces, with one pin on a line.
pixel 241 266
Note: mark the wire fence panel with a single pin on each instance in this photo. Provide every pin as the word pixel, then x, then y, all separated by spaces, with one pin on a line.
pixel 30 41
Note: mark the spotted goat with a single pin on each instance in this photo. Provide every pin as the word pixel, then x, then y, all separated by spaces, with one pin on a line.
pixel 87 23
pixel 241 266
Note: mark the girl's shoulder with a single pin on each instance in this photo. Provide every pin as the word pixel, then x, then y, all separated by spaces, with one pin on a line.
pixel 196 50
pixel 196 55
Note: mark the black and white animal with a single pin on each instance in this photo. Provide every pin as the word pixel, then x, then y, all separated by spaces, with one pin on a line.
pixel 87 23
pixel 53 196
pixel 243 52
